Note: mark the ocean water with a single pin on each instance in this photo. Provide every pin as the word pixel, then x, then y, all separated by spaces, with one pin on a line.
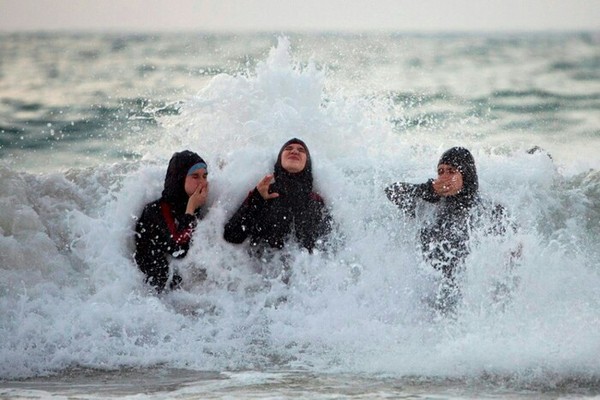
pixel 88 123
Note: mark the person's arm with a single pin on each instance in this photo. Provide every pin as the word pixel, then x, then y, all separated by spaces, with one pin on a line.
pixel 404 195
pixel 245 218
pixel 148 255
pixel 324 221
pixel 314 223
pixel 144 232
pixel 157 234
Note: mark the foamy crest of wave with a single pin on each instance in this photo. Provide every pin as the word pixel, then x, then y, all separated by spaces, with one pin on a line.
pixel 70 294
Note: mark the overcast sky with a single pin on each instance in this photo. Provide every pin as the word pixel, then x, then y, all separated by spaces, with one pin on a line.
pixel 300 15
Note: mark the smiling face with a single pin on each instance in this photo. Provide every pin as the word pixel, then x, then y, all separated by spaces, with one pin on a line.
pixel 293 158
pixel 195 179
pixel 450 178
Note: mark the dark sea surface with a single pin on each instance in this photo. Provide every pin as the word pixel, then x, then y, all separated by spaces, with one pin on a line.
pixel 88 123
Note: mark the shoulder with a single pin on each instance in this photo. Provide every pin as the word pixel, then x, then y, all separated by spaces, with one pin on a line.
pixel 151 207
pixel 151 214
pixel 316 197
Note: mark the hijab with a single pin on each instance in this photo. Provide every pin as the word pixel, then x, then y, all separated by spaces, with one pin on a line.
pixel 462 159
pixel 174 189
pixel 292 186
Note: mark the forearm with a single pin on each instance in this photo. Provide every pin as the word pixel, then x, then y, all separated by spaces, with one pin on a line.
pixel 325 223
pixel 404 195
pixel 425 191
pixel 245 218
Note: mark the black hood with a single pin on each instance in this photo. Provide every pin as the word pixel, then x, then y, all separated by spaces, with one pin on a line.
pixel 304 177
pixel 462 159
pixel 174 190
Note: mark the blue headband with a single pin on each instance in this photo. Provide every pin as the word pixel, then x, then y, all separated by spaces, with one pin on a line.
pixel 196 167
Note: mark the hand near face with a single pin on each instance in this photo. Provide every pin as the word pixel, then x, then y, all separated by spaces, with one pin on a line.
pixel 449 181
pixel 197 199
pixel 263 188
pixel 445 187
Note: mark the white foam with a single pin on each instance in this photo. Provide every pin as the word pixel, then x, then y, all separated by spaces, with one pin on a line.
pixel 71 294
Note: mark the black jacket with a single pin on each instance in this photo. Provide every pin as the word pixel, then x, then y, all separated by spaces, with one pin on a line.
pixel 160 233
pixel 445 242
pixel 298 213
pixel 164 230
pixel 273 222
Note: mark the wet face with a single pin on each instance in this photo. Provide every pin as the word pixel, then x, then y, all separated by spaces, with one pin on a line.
pixel 450 180
pixel 293 158
pixel 195 179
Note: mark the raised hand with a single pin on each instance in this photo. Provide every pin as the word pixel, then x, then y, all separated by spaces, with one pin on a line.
pixel 197 199
pixel 447 185
pixel 263 187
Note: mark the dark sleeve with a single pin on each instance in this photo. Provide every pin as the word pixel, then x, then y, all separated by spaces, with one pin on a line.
pixel 154 238
pixel 325 221
pixel 245 218
pixel 315 223
pixel 149 238
pixel 404 195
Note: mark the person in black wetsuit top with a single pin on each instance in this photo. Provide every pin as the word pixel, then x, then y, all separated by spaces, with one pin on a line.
pixel 282 206
pixel 165 227
pixel 458 210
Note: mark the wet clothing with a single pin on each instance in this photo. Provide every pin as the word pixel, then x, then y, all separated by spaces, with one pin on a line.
pixel 164 230
pixel 298 213
pixel 273 222
pixel 161 233
pixel 445 242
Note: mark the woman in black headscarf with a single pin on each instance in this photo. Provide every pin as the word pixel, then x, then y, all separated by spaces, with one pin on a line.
pixel 282 206
pixel 458 209
pixel 164 229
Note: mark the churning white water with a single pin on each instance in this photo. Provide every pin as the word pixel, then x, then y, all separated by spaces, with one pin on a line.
pixel 71 296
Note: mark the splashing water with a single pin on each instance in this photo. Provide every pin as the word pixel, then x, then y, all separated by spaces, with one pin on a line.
pixel 71 296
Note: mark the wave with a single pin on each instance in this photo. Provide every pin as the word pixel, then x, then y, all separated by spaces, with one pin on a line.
pixel 71 296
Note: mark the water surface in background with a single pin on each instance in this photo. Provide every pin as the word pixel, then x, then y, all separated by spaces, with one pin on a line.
pixel 93 97
pixel 88 123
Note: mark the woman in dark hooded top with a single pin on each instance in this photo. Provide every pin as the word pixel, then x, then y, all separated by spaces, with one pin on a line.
pixel 165 227
pixel 458 209
pixel 283 210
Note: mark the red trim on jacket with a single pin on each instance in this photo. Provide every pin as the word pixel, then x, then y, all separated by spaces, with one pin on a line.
pixel 180 237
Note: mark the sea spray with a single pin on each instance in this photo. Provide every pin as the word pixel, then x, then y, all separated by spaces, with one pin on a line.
pixel 73 297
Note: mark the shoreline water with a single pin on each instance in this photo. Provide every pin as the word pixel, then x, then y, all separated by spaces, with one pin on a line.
pixel 159 382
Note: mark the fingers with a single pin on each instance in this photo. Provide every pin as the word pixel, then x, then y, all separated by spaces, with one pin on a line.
pixel 200 193
pixel 263 188
pixel 203 189
pixel 439 186
pixel 443 186
pixel 265 181
pixel 198 198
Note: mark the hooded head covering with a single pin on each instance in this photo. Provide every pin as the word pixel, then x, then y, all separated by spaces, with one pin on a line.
pixel 179 165
pixel 286 181
pixel 462 159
